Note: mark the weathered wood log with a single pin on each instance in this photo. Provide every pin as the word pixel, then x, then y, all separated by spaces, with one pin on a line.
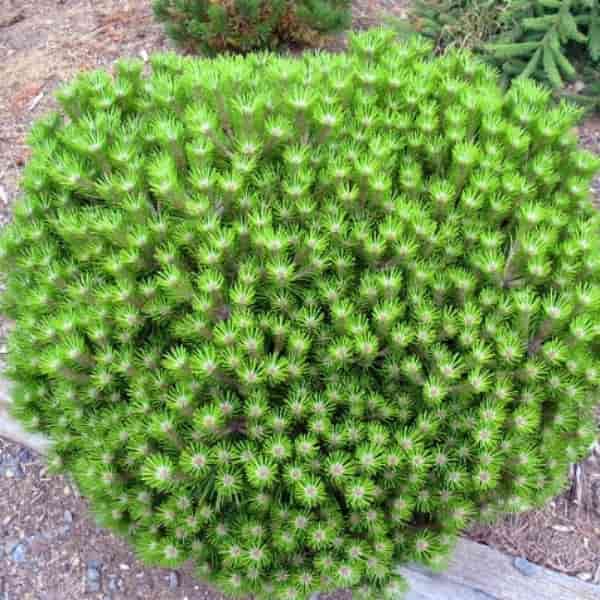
pixel 11 429
pixel 478 572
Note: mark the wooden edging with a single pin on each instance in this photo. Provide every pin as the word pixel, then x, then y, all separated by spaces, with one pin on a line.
pixel 476 572
pixel 12 429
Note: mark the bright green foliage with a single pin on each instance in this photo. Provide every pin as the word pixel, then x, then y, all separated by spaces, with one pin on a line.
pixel 300 319
pixel 547 39
pixel 242 25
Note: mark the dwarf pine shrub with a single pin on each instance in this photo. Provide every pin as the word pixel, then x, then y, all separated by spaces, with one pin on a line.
pixel 299 319
pixel 243 25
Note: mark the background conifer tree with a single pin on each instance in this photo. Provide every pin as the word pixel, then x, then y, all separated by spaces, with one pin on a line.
pixel 243 25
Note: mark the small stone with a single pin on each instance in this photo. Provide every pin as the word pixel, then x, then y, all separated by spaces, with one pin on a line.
pixel 67 490
pixel 63 530
pixel 124 567
pixel 115 583
pixel 68 516
pixel 173 580
pixel 525 567
pixel 94 564
pixel 584 576
pixel 9 545
pixel 25 455
pixel 92 576
pixel 19 553
pixel 11 470
pixel 563 528
pixel 92 586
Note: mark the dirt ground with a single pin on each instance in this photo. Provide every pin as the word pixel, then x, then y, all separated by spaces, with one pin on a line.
pixel 50 548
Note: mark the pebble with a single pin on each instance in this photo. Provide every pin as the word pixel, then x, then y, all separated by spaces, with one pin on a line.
pixel 93 575
pixel 173 580
pixel 124 567
pixel 94 563
pixel 11 469
pixel 9 545
pixel 525 567
pixel 25 455
pixel 68 516
pixel 19 553
pixel 115 583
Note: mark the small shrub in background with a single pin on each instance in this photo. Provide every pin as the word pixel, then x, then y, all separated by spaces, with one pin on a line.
pixel 243 25
pixel 556 41
pixel 300 320
pixel 458 23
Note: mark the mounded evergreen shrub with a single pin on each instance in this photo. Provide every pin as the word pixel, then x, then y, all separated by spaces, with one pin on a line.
pixel 243 25
pixel 298 320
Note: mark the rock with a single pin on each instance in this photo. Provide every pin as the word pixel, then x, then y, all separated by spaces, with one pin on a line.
pixel 25 455
pixel 173 580
pixel 93 576
pixel 94 563
pixel 11 469
pixel 9 545
pixel 115 584
pixel 68 516
pixel 19 552
pixel 525 567
pixel 63 530
pixel 563 528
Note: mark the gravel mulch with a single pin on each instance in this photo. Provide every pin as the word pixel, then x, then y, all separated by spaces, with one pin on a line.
pixel 50 548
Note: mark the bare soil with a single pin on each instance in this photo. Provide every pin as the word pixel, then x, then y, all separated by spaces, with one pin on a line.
pixel 50 548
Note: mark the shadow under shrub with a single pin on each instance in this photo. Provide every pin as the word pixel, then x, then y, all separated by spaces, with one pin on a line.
pixel 243 25
pixel 299 320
